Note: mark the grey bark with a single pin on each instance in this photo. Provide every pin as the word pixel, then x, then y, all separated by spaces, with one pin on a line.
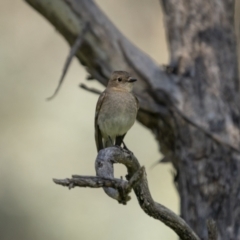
pixel 137 180
pixel 192 107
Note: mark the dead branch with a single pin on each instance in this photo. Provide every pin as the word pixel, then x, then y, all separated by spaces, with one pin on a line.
pixel 72 53
pixel 119 189
pixel 92 90
pixel 156 87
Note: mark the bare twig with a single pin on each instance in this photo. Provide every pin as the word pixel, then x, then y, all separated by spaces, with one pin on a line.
pixel 212 229
pixel 93 90
pixel 119 189
pixel 123 187
pixel 91 182
pixel 72 53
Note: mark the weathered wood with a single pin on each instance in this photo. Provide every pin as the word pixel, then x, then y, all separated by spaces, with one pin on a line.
pixel 119 189
pixel 204 56
pixel 193 108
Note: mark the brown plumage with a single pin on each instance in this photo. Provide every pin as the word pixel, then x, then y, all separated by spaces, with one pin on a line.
pixel 116 110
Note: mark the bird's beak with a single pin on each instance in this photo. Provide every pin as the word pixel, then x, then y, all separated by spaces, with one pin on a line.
pixel 132 79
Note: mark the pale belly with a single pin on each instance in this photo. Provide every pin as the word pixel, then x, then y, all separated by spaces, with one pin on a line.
pixel 116 119
pixel 116 126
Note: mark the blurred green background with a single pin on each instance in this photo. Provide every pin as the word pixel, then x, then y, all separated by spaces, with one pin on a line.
pixel 41 140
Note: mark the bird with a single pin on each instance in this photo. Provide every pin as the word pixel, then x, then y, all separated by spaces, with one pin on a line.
pixel 116 110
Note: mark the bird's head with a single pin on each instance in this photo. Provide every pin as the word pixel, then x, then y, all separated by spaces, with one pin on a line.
pixel 121 80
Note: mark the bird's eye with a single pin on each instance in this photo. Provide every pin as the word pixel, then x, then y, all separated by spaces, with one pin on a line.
pixel 119 79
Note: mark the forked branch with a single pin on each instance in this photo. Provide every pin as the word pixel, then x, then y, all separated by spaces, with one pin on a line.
pixel 119 189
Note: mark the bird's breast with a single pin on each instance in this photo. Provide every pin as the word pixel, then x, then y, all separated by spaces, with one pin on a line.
pixel 117 114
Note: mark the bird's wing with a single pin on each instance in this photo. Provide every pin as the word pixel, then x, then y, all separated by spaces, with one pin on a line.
pixel 98 135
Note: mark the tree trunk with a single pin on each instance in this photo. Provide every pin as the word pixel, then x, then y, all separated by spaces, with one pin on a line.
pixel 192 106
pixel 204 56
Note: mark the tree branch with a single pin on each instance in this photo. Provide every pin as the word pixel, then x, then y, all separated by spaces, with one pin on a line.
pixel 93 90
pixel 119 189
pixel 123 187
pixel 103 49
pixel 72 53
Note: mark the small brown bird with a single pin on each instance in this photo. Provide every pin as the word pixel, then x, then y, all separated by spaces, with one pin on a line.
pixel 116 110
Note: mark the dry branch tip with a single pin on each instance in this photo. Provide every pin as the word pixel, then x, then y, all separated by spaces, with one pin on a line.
pixel 77 44
pixel 92 90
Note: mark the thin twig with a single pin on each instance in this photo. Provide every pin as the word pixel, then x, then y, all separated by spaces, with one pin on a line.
pixel 91 182
pixel 72 53
pixel 93 90
pixel 123 187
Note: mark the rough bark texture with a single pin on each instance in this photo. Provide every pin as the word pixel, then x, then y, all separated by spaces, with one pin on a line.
pixel 204 56
pixel 192 108
pixel 137 180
